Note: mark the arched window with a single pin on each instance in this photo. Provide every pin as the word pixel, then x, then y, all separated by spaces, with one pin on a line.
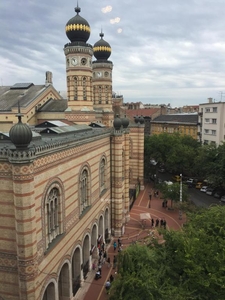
pixel 123 165
pixel 84 190
pixel 53 215
pixel 99 94
pixel 102 175
pixel 84 83
pixel 75 88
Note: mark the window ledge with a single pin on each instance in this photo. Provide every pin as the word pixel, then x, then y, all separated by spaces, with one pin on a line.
pixel 85 211
pixel 54 243
pixel 103 192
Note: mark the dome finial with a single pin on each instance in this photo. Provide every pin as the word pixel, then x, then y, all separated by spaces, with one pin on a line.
pixel 101 34
pixel 77 9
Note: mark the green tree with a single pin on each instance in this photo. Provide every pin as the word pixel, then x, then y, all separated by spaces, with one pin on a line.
pixel 189 265
pixel 173 192
pixel 175 151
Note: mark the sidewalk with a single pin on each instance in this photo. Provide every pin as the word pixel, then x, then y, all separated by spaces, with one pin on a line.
pixel 134 231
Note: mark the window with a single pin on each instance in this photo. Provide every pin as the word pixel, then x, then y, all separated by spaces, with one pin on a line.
pixel 214 121
pixel 206 131
pixel 102 175
pixel 207 109
pixel 207 120
pixel 52 212
pixel 84 190
pixel 215 109
pixel 84 83
pixel 206 142
pixel 213 132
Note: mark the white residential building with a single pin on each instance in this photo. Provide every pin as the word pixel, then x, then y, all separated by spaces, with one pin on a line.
pixel 211 127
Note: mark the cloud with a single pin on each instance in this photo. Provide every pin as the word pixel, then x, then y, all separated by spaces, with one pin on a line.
pixel 161 50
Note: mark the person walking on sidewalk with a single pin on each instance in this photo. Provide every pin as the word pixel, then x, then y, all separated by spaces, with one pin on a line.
pixel 153 221
pixel 114 262
pixel 164 223
pixel 157 222
pixel 104 257
pixel 107 285
pixel 114 246
pixel 108 261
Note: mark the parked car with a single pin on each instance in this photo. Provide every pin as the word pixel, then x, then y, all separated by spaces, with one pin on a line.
pixel 203 189
pixel 176 178
pixel 190 181
pixel 219 193
pixel 153 162
pixel 161 170
pixel 210 191
pixel 222 199
pixel 199 185
pixel 168 182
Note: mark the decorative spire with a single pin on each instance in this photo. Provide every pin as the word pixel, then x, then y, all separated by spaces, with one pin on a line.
pixel 19 115
pixel 77 9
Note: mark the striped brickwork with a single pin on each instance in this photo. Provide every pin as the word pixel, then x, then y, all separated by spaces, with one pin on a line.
pixel 25 262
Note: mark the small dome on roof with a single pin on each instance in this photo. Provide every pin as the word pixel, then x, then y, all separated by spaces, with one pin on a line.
pixel 125 122
pixel 20 134
pixel 117 123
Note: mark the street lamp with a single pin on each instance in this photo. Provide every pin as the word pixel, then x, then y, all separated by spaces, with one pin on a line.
pixel 180 211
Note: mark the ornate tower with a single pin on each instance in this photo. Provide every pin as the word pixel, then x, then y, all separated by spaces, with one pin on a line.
pixel 102 80
pixel 78 63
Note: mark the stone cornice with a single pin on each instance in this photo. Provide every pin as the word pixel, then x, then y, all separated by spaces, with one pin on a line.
pixel 35 151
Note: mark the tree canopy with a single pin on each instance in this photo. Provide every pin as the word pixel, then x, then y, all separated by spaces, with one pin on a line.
pixel 190 264
pixel 181 154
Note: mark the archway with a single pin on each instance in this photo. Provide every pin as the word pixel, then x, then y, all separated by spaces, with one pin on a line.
pixel 86 256
pixel 76 270
pixel 94 242
pixel 107 228
pixel 64 283
pixel 100 231
pixel 49 292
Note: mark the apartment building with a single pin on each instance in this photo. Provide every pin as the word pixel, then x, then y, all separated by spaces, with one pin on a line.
pixel 211 126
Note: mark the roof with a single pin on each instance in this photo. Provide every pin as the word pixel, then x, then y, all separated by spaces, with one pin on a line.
pixel 145 112
pixel 52 123
pixel 54 105
pixel 22 93
pixel 97 125
pixel 177 118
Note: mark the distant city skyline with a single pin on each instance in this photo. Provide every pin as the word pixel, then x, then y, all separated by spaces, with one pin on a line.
pixel 171 52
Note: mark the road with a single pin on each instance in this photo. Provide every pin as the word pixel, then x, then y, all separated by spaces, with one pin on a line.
pixel 197 197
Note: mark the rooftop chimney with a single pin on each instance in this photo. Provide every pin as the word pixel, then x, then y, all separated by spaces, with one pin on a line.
pixel 210 100
pixel 48 78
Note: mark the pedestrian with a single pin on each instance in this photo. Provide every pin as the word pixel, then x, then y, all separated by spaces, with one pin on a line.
pixel 114 262
pixel 153 221
pixel 161 223
pixel 103 246
pixel 157 222
pixel 119 249
pixel 119 241
pixel 108 261
pixel 114 246
pixel 157 193
pixel 111 278
pixel 164 223
pixel 150 196
pixel 107 285
pixel 104 256
pixel 100 269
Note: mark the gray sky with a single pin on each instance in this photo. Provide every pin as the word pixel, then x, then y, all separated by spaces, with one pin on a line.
pixel 164 51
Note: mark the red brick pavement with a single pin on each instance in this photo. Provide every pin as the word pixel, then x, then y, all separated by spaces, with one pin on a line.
pixel 134 231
